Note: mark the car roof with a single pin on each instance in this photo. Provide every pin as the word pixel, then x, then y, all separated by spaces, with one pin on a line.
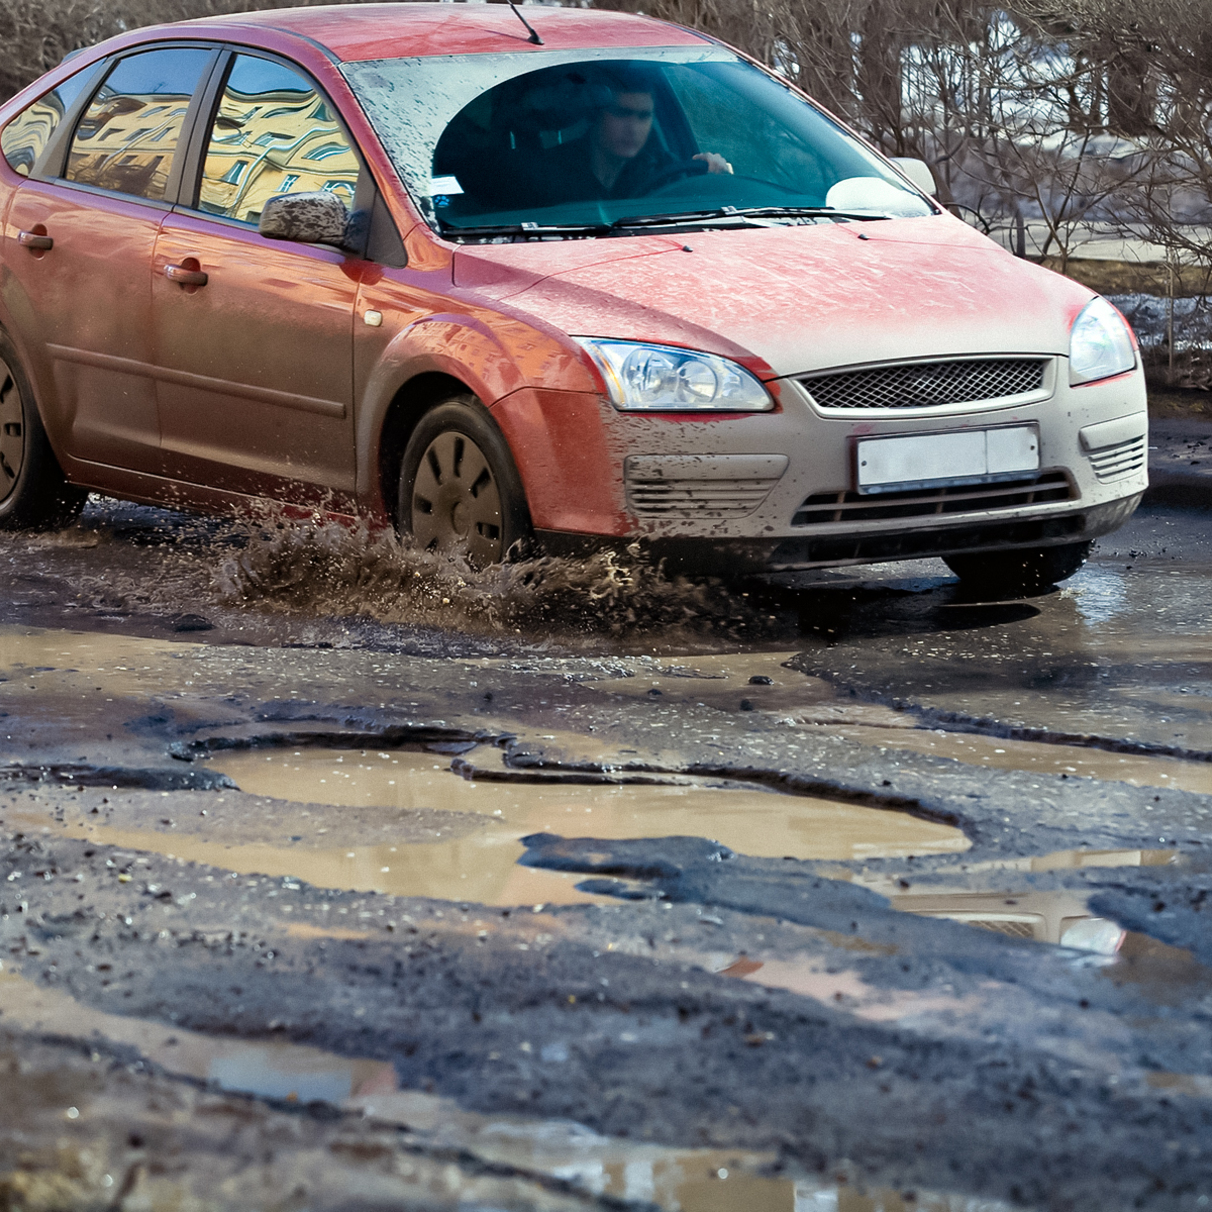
pixel 356 32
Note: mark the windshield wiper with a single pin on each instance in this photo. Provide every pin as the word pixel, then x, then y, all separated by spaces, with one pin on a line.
pixel 527 230
pixel 723 213
pixel 719 214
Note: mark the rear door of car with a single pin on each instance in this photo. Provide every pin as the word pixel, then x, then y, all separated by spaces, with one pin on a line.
pixel 79 240
pixel 253 338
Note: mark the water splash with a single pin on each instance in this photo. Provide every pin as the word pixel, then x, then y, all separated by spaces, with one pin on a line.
pixel 324 566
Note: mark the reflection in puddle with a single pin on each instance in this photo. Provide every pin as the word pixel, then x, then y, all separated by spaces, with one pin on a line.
pixel 1076 761
pixel 482 865
pixel 675 1180
pixel 1045 917
pixel 1169 976
pixel 1057 917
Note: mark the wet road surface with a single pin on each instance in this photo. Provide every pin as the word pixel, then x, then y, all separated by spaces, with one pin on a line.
pixel 335 878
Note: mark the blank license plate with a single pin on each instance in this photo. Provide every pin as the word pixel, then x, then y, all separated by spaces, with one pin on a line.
pixel 970 456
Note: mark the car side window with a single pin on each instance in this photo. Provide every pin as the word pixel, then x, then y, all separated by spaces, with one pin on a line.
pixel 25 137
pixel 273 133
pixel 128 136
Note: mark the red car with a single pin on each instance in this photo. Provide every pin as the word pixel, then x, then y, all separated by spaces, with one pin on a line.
pixel 582 279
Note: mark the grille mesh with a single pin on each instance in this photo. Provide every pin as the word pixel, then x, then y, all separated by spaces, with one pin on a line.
pixel 1123 459
pixel 1001 926
pixel 928 384
pixel 824 507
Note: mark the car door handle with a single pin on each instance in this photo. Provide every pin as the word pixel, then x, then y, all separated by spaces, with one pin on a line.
pixel 185 277
pixel 35 242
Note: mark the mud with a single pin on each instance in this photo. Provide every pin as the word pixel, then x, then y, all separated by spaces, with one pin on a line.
pixel 767 923
pixel 435 834
pixel 689 1180
pixel 100 1128
pixel 1117 659
pixel 1073 761
pixel 725 1063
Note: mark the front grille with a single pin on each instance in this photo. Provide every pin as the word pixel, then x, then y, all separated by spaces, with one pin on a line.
pixel 1039 489
pixel 1115 462
pixel 928 384
pixel 660 498
pixel 1016 929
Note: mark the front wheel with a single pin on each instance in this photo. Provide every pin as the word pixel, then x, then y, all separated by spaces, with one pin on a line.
pixel 1018 573
pixel 34 494
pixel 460 492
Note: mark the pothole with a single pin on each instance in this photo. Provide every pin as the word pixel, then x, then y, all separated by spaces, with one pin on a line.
pixel 481 864
pixel 403 823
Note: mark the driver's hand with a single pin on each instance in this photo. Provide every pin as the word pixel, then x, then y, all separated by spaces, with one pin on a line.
pixel 715 162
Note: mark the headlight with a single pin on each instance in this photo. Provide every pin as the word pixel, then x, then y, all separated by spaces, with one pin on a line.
pixel 661 378
pixel 1100 344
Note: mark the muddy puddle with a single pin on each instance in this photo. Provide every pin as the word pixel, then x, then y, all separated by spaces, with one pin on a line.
pixel 474 857
pixel 675 1180
pixel 90 662
pixel 1007 907
pixel 1004 906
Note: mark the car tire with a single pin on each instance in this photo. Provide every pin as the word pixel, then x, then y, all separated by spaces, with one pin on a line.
pixel 34 493
pixel 1018 573
pixel 460 493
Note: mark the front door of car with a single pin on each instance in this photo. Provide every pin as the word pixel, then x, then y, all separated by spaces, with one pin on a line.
pixel 253 338
pixel 81 234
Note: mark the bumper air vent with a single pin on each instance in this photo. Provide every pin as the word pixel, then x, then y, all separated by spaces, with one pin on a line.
pixel 1046 487
pixel 1115 462
pixel 711 486
pixel 929 384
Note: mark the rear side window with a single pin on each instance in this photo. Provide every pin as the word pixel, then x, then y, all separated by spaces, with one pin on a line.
pixel 26 136
pixel 273 133
pixel 128 136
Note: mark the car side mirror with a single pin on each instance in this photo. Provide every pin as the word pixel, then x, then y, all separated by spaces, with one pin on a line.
pixel 315 218
pixel 918 171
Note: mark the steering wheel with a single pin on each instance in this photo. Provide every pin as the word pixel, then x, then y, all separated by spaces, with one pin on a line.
pixel 683 168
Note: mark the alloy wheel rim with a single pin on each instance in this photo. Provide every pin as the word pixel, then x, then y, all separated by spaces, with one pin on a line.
pixel 12 432
pixel 456 504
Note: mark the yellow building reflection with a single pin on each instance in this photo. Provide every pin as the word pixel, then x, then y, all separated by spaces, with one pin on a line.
pixel 126 143
pixel 271 143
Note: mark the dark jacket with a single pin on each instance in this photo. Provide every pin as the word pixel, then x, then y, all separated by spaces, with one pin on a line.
pixel 565 174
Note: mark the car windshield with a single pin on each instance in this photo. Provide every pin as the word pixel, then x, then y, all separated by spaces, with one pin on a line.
pixel 583 142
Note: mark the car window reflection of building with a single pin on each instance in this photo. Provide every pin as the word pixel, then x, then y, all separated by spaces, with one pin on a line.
pixel 140 134
pixel 27 135
pixel 267 144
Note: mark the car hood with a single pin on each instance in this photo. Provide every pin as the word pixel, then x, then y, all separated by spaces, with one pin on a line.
pixel 787 300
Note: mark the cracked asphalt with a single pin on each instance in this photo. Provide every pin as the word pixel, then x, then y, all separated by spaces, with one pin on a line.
pixel 333 880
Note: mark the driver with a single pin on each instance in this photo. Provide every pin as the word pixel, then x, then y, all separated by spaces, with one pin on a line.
pixel 616 158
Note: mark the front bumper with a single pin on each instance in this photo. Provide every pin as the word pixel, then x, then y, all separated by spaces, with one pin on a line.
pixel 712 555
pixel 778 490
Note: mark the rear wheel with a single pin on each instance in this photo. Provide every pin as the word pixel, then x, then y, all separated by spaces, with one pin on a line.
pixel 1018 573
pixel 34 494
pixel 460 492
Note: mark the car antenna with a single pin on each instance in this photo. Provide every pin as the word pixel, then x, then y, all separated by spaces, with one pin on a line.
pixel 534 37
